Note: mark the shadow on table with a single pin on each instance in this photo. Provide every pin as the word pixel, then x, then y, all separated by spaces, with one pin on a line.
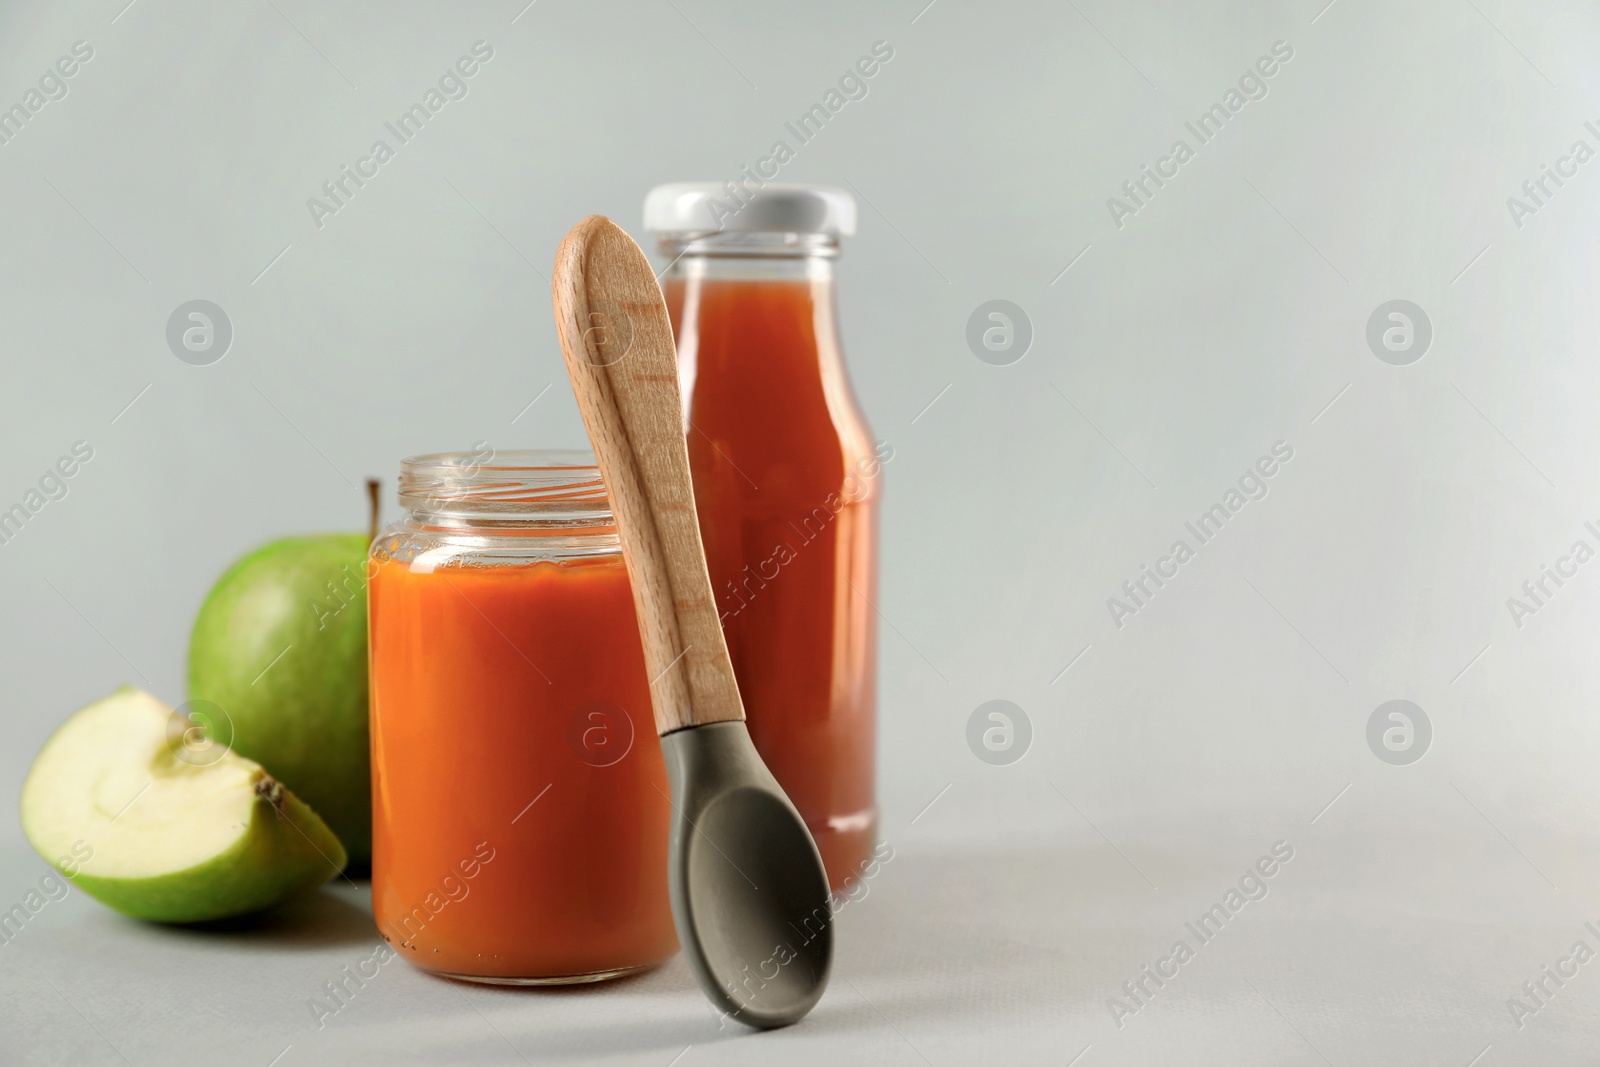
pixel 315 920
pixel 1003 935
pixel 619 1036
pixel 939 937
pixel 616 1040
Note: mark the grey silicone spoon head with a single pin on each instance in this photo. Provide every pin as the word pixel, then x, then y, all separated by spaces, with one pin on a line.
pixel 749 893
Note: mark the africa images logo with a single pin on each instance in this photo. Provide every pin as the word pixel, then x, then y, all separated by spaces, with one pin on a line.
pixel 453 85
pixel 1137 192
pixel 1141 589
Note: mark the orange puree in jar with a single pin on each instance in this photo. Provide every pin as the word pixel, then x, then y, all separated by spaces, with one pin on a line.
pixel 520 801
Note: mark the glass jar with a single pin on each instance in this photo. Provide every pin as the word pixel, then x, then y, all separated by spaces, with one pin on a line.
pixel 520 810
pixel 787 480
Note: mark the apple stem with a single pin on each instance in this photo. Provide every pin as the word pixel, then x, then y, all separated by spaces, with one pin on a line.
pixel 373 505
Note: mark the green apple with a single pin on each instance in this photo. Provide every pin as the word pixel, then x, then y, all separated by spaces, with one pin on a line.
pixel 280 646
pixel 147 816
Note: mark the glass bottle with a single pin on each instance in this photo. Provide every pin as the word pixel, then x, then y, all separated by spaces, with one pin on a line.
pixel 787 481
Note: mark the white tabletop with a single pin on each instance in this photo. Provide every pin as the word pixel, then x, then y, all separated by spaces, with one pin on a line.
pixel 1367 948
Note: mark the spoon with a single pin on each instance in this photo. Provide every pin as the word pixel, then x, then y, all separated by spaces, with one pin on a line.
pixel 749 892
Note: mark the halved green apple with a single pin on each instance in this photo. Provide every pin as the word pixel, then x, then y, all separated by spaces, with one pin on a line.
pixel 150 817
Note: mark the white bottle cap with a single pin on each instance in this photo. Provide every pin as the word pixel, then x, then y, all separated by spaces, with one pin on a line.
pixel 709 207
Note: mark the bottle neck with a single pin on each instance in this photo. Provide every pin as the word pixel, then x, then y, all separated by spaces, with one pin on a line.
pixel 750 256
pixel 762 324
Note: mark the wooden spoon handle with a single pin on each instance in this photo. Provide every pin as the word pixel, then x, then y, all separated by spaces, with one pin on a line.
pixel 617 341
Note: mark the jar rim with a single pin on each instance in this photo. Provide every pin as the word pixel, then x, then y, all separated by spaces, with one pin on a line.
pixel 484 457
pixel 487 482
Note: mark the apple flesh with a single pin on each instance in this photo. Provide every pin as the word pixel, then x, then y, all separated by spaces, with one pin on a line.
pixel 280 645
pixel 160 824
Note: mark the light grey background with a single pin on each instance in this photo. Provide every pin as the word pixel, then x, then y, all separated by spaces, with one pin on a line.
pixel 1169 354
